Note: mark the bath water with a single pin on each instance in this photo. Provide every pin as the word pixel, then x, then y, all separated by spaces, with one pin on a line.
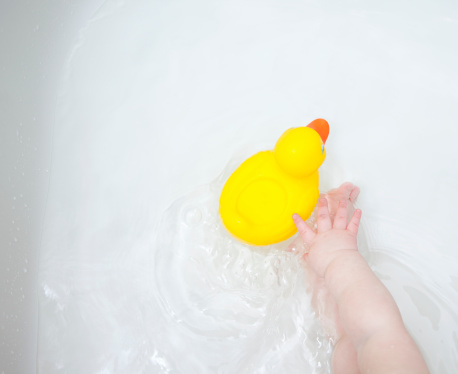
pixel 138 275
pixel 230 307
pixel 188 297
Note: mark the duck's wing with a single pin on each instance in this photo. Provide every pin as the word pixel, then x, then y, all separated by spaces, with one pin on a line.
pixel 262 202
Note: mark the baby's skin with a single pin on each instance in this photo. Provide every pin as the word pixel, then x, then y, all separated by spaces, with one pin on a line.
pixel 363 316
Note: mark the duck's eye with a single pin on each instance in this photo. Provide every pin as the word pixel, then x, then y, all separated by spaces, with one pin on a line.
pixel 322 148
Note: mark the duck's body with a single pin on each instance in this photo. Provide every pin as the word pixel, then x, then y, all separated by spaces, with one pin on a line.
pixel 260 197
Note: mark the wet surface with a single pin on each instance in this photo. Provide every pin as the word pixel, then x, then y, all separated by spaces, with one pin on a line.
pixel 155 99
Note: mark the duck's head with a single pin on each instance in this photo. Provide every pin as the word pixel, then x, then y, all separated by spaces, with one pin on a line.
pixel 300 151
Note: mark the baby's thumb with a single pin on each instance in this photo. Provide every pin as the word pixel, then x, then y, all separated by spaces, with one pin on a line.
pixel 306 233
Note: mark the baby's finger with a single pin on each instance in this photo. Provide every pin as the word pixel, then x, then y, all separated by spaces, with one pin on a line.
pixel 306 233
pixel 340 220
pixel 354 222
pixel 354 194
pixel 323 219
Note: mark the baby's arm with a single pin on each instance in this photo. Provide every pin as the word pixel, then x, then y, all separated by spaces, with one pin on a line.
pixel 368 313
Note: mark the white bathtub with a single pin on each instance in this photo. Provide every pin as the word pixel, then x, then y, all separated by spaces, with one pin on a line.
pixel 110 111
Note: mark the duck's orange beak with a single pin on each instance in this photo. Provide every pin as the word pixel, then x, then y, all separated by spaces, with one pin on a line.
pixel 321 126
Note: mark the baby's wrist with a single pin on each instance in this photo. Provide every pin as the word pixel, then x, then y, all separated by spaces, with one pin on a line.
pixel 346 269
pixel 340 258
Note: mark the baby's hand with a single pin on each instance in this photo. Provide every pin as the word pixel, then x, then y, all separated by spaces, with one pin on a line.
pixel 332 238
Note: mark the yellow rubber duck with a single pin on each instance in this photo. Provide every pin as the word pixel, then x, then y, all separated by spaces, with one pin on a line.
pixel 260 197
